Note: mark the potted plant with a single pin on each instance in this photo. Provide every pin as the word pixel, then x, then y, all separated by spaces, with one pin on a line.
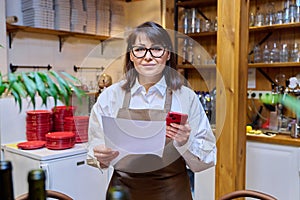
pixel 44 84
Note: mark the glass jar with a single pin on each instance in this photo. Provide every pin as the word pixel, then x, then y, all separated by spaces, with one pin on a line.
pixel 293 13
pixel 274 54
pixel 266 54
pixel 284 54
pixel 259 19
pixel 252 19
pixel 257 54
pixel 193 20
pixel 185 21
pixel 279 17
pixel 295 53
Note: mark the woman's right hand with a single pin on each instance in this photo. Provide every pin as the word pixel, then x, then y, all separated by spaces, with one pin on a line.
pixel 104 155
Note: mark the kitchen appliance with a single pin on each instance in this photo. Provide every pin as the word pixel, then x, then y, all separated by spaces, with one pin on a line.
pixel 66 171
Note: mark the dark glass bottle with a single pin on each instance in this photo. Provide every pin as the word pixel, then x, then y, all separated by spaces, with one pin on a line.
pixel 117 192
pixel 36 185
pixel 6 182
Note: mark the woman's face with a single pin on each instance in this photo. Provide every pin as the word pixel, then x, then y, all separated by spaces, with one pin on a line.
pixel 148 66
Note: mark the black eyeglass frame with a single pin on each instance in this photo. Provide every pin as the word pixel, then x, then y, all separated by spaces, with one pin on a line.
pixel 148 49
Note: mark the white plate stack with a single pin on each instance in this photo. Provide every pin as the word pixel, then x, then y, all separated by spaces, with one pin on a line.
pixel 103 17
pixel 62 15
pixel 91 16
pixel 78 16
pixel 38 13
pixel 117 24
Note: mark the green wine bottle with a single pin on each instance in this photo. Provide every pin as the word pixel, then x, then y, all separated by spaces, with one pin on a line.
pixel 36 185
pixel 6 182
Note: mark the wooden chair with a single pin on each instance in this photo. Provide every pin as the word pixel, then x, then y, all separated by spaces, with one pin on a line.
pixel 247 193
pixel 50 194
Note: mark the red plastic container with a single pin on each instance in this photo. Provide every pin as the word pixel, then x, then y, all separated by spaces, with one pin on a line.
pixel 60 140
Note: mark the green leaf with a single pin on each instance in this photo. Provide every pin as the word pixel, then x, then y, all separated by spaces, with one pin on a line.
pixel 30 87
pixel 72 78
pixel 0 79
pixel 40 88
pixel 17 87
pixel 12 79
pixel 52 88
pixel 2 89
pixel 17 99
pixel 62 82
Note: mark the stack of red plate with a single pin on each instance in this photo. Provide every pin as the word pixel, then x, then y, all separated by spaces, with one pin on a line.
pixel 78 125
pixel 59 113
pixel 60 140
pixel 38 124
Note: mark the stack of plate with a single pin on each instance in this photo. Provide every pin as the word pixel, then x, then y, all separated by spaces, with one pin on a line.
pixel 91 16
pixel 62 15
pixel 102 17
pixel 60 140
pixel 117 23
pixel 59 114
pixel 79 126
pixel 78 16
pixel 38 124
pixel 38 13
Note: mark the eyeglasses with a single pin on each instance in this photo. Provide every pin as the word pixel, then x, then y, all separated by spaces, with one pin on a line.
pixel 141 51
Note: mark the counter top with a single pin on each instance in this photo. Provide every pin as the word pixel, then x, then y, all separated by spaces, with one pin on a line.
pixel 281 139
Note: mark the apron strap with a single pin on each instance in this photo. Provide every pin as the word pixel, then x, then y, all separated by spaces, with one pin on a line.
pixel 168 100
pixel 126 100
pixel 167 105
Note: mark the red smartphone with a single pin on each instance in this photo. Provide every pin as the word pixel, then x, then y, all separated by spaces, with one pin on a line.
pixel 176 117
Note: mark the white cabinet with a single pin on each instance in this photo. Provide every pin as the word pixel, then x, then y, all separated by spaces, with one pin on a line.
pixel 273 169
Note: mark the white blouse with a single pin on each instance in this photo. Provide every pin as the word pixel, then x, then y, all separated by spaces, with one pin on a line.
pixel 201 147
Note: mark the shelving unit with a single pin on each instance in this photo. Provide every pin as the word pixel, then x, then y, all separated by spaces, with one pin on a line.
pixel 275 65
pixel 208 40
pixel 280 33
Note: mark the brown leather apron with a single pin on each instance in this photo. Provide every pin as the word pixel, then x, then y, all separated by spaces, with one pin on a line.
pixel 149 177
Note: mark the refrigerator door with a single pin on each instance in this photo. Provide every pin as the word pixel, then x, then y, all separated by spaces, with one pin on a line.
pixel 69 174
pixel 72 176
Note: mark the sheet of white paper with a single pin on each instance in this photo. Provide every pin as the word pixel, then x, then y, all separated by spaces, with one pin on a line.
pixel 134 136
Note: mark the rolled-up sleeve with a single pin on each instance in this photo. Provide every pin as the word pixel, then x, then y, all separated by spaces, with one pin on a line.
pixel 95 131
pixel 203 141
pixel 200 151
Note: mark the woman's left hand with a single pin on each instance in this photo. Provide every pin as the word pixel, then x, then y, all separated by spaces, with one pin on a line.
pixel 179 132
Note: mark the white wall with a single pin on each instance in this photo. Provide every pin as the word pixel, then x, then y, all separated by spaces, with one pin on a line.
pixel 43 49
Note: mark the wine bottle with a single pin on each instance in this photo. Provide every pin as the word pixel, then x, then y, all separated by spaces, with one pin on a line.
pixel 6 182
pixel 117 192
pixel 36 185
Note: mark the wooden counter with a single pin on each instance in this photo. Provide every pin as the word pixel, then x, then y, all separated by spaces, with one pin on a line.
pixel 281 139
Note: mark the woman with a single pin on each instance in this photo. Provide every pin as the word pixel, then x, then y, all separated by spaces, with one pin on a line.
pixel 152 87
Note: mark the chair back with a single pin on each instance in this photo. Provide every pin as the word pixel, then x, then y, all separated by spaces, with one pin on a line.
pixel 50 194
pixel 247 193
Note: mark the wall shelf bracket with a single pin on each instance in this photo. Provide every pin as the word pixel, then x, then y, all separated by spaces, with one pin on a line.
pixel 62 40
pixel 11 36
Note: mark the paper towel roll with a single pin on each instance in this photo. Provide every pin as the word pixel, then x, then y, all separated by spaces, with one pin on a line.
pixel 14 8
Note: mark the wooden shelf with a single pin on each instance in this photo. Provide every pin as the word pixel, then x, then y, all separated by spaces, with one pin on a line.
pixel 189 66
pixel 62 35
pixel 270 65
pixel 198 35
pixel 202 34
pixel 15 28
pixel 196 3
pixel 274 27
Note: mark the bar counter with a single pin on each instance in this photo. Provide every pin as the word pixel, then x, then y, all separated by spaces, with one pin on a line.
pixel 281 139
